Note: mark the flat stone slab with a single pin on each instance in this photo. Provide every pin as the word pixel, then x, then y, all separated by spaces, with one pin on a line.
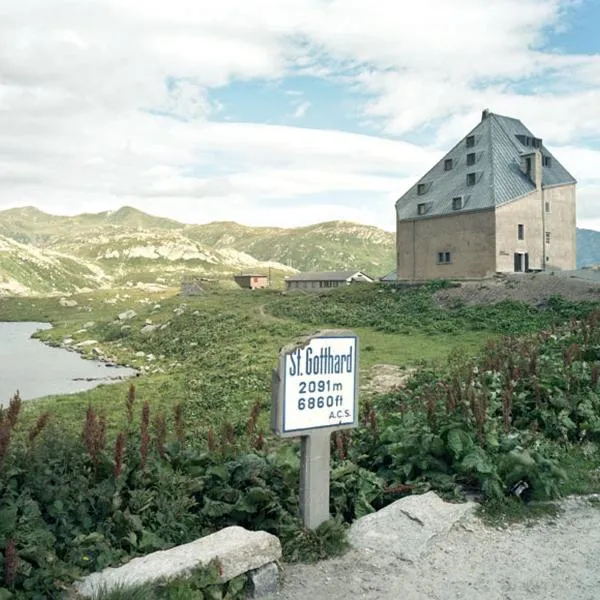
pixel 404 529
pixel 237 549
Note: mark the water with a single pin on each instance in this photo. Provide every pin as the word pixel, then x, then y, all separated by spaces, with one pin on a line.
pixel 36 369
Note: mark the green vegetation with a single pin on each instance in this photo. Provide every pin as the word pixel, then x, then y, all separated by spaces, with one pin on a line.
pixel 187 452
pixel 204 584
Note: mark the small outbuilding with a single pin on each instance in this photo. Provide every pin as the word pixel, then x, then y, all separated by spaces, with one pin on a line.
pixel 325 280
pixel 252 281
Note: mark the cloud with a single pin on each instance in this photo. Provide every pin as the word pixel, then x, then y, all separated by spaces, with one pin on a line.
pixel 301 110
pixel 111 101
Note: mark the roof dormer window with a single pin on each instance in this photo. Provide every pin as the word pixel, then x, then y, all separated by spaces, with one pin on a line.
pixel 423 208
pixel 470 158
pixel 448 164
pixel 421 189
pixel 470 141
pixel 457 203
pixel 547 161
pixel 471 178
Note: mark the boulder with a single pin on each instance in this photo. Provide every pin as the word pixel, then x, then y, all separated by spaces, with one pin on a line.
pixel 89 325
pixel 146 329
pixel 127 315
pixel 86 343
pixel 140 354
pixel 404 529
pixel 237 550
pixel 67 303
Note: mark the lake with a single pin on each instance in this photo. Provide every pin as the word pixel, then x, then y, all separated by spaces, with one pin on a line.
pixel 37 370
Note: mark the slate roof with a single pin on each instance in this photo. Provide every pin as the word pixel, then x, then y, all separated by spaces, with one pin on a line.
pixel 498 176
pixel 324 276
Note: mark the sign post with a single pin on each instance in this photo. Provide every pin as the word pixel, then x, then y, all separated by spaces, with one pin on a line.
pixel 315 392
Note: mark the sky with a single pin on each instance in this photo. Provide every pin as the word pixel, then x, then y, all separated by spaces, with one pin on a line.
pixel 281 112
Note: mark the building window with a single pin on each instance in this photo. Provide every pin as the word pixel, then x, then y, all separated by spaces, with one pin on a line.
pixel 444 258
pixel 520 231
pixel 448 164
pixel 471 158
pixel 471 178
pixel 457 203
pixel 547 237
pixel 421 208
pixel 470 141
pixel 547 206
pixel 547 161
pixel 421 188
pixel 537 142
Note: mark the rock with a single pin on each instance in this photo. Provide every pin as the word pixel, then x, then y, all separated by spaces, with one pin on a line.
pixel 156 307
pixel 68 341
pixel 164 326
pixel 80 331
pixel 125 328
pixel 150 357
pixel 86 343
pixel 196 313
pixel 127 315
pixel 97 351
pixel 140 354
pixel 67 303
pixel 148 322
pixel 180 309
pixel 89 325
pixel 264 581
pixel 148 329
pixel 404 529
pixel 237 550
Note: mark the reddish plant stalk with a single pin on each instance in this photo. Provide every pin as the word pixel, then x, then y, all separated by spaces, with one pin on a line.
pixel 160 427
pixel 11 563
pixel 144 435
pixel 130 402
pixel 38 427
pixel 211 440
pixel 179 423
pixel 119 451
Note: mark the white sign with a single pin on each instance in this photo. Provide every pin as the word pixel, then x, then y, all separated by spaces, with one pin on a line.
pixel 320 384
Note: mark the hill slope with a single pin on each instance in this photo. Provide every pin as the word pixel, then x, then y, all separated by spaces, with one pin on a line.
pixel 130 245
pixel 588 247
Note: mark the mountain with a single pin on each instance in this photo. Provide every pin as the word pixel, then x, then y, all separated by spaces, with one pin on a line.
pixel 322 247
pixel 42 253
pixel 588 248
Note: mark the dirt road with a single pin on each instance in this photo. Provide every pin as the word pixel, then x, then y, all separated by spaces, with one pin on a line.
pixel 556 559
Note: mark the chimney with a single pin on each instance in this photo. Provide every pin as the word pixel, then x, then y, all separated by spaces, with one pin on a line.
pixel 531 165
pixel 485 114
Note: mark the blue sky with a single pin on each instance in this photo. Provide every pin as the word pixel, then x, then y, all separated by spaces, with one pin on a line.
pixel 281 112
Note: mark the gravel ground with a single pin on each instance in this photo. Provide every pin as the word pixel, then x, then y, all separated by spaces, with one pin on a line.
pixel 532 288
pixel 551 560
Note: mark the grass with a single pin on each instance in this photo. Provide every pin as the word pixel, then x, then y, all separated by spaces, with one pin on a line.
pixel 225 352
pixel 513 510
pixel 217 356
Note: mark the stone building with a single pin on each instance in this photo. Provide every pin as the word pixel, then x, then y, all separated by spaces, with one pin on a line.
pixel 252 281
pixel 498 202
pixel 325 280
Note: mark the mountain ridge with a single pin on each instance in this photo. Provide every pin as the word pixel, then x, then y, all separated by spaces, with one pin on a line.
pixel 128 245
pixel 45 253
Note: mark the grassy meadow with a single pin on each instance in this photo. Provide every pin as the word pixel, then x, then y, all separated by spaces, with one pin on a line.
pixel 216 356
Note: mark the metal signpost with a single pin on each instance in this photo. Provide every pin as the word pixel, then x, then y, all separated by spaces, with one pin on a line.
pixel 315 392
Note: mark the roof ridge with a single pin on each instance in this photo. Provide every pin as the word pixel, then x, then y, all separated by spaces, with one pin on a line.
pixel 490 117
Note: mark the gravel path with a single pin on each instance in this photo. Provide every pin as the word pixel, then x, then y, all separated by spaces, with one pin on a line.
pixel 551 560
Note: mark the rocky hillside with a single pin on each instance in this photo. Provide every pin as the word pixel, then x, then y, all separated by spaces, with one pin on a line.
pixel 588 247
pixel 42 253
